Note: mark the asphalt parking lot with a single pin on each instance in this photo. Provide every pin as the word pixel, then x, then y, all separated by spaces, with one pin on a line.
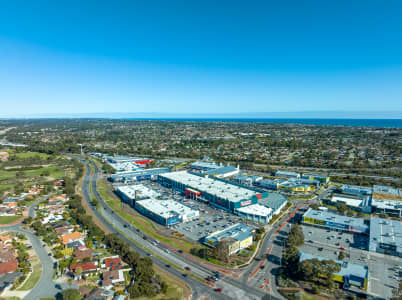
pixel 383 270
pixel 211 219
pixel 339 239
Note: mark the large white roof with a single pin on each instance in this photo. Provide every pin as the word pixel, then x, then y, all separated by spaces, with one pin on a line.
pixel 348 201
pixel 167 208
pixel 256 209
pixel 141 190
pixel 224 190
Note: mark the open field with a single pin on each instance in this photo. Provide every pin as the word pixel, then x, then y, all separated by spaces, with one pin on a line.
pixel 8 219
pixel 29 154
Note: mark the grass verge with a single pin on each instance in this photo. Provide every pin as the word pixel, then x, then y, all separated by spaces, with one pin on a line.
pixel 33 277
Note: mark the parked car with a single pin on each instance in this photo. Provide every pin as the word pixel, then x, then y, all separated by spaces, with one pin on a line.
pixel 218 290
pixel 187 268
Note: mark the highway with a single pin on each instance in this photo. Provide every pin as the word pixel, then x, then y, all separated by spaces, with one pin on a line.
pixel 231 288
pixel 114 223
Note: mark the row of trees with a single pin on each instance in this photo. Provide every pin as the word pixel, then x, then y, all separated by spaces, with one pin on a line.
pixel 146 283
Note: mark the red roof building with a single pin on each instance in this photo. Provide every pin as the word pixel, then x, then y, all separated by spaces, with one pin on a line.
pixel 10 266
pixel 113 263
pixel 86 267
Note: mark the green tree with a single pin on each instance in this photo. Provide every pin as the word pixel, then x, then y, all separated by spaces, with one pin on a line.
pixel 70 294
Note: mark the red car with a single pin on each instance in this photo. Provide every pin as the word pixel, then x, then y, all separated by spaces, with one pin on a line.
pixel 187 268
pixel 218 290
pixel 342 248
pixel 337 244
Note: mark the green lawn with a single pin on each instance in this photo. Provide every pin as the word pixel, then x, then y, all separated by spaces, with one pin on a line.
pixel 32 279
pixel 54 171
pixel 5 187
pixel 6 174
pixel 28 154
pixel 8 219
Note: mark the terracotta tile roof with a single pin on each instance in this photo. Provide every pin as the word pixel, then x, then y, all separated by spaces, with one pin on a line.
pixel 61 230
pixel 71 237
pixel 113 263
pixel 81 254
pixel 7 255
pixel 5 239
pixel 87 266
pixel 10 266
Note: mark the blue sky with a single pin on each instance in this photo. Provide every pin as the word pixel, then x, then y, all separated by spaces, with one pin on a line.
pixel 200 56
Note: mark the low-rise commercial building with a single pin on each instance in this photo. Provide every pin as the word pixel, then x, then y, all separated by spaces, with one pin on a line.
pixel 238 236
pixel 255 212
pixel 166 212
pixel 132 193
pixel 381 189
pixel 349 275
pixel 223 172
pixel 321 178
pixel 272 184
pixel 392 208
pixel 328 220
pixel 296 187
pixel 147 174
pixel 356 190
pixel 358 203
pixel 248 180
pixel 386 236
pixel 275 201
pixel 204 165
pixel 219 193
pixel 123 159
pixel 287 174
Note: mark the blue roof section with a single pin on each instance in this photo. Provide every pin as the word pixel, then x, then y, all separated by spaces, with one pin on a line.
pixel 347 268
pixel 204 165
pixel 274 200
pixel 221 170
pixel 386 190
pixel 246 177
pixel 356 190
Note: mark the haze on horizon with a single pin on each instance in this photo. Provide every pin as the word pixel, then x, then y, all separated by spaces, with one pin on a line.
pixel 180 57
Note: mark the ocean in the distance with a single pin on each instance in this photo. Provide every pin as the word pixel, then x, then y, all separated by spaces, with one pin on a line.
pixel 389 123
